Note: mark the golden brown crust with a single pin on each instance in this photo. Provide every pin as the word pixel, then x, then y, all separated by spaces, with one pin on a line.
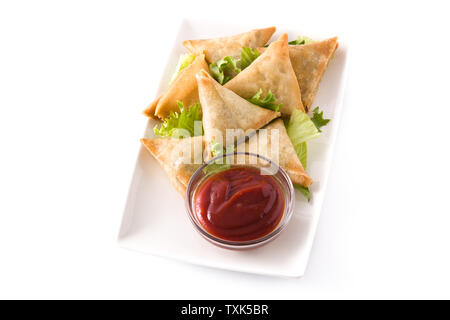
pixel 309 62
pixel 150 111
pixel 183 88
pixel 272 71
pixel 217 48
pixel 287 157
pixel 174 157
pixel 223 109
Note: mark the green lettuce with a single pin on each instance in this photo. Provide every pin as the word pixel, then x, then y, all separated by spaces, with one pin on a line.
pixel 178 124
pixel 305 40
pixel 304 190
pixel 224 69
pixel 318 119
pixel 301 40
pixel 183 62
pixel 302 151
pixel 248 55
pixel 296 42
pixel 216 148
pixel 300 129
pixel 268 102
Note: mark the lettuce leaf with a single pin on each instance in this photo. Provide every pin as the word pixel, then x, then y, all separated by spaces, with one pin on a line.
pixel 268 102
pixel 248 55
pixel 318 119
pixel 296 42
pixel 183 62
pixel 179 124
pixel 305 39
pixel 224 69
pixel 301 40
pixel 216 148
pixel 304 190
pixel 302 152
pixel 301 128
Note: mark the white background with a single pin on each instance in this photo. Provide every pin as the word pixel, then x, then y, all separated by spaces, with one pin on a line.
pixel 74 78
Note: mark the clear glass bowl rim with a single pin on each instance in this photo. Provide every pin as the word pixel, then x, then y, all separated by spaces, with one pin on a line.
pixel 287 214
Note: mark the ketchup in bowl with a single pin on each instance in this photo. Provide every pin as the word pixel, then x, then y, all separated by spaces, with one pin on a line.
pixel 239 204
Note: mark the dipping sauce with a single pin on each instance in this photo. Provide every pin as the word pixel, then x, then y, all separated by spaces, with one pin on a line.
pixel 239 204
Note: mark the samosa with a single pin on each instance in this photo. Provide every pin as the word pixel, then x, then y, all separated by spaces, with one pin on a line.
pixel 217 48
pixel 223 109
pixel 309 62
pixel 286 157
pixel 150 111
pixel 183 88
pixel 178 157
pixel 272 71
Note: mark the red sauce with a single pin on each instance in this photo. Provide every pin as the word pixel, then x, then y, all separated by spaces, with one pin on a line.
pixel 239 204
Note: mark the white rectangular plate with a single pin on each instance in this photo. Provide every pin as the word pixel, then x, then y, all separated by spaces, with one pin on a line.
pixel 155 220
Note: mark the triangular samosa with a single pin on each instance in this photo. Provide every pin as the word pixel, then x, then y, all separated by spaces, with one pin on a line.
pixel 223 109
pixel 217 48
pixel 287 157
pixel 150 111
pixel 272 71
pixel 183 88
pixel 178 157
pixel 309 62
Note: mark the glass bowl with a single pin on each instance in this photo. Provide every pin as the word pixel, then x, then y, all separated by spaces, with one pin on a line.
pixel 233 160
